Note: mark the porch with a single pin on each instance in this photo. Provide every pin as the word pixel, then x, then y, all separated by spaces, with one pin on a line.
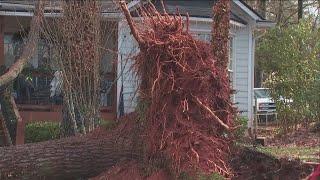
pixel 31 90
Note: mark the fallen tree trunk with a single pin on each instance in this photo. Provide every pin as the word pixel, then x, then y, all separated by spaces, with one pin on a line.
pixel 67 158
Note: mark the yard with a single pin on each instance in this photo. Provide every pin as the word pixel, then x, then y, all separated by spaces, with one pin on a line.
pixel 157 90
pixel 302 144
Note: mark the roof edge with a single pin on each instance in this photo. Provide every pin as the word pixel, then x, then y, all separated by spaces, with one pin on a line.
pixel 261 18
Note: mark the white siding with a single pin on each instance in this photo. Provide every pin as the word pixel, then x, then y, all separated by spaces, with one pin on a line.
pixel 242 69
pixel 127 48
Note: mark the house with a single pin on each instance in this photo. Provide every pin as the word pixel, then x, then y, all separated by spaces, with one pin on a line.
pixel 34 102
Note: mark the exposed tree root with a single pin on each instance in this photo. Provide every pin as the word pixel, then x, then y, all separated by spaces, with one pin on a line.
pixel 190 112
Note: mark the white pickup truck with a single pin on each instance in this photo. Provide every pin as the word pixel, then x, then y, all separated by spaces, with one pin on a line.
pixel 263 103
pixel 264 106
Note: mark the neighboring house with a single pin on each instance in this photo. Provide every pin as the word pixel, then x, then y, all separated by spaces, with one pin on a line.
pixel 15 14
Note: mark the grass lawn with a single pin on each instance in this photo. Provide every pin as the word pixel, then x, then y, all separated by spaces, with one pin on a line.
pixel 303 153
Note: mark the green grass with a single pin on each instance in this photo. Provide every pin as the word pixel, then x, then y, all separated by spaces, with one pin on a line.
pixel 303 153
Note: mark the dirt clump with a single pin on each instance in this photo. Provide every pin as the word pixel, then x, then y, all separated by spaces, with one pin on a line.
pixel 248 163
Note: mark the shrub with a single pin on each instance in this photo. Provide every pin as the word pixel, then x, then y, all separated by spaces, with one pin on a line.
pixel 290 58
pixel 241 123
pixel 41 131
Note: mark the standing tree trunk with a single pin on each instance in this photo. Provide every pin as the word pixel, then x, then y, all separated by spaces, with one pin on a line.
pixel 4 133
pixel 280 12
pixel 69 158
pixel 262 8
pixel 300 9
pixel 220 33
pixel 10 117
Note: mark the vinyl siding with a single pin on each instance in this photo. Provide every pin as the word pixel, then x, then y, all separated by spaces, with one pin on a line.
pixel 127 48
pixel 241 72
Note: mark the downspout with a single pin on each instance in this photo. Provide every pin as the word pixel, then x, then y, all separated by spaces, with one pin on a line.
pixel 250 78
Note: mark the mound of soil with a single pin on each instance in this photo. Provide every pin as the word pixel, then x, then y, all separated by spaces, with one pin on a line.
pixel 131 170
pixel 246 164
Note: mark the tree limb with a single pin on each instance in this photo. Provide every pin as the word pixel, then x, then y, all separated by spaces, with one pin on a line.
pixel 29 48
pixel 131 23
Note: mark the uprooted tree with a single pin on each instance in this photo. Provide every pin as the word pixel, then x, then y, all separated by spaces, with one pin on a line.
pixel 187 95
pixel 184 115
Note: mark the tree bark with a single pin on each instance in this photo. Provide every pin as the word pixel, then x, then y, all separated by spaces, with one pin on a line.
pixel 68 158
pixel 280 12
pixel 262 8
pixel 9 117
pixel 300 9
pixel 220 33
pixel 4 133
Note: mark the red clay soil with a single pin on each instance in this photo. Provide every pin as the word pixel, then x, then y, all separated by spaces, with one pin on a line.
pixel 246 164
pixel 130 170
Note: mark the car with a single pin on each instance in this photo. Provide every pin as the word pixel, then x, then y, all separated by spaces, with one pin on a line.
pixel 263 101
pixel 264 105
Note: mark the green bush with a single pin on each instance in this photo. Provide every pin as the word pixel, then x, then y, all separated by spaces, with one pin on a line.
pixel 289 57
pixel 241 123
pixel 41 131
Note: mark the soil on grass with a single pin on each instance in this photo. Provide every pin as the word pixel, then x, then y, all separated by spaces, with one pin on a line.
pixel 247 163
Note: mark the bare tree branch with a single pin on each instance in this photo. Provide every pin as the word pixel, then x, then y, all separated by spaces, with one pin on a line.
pixel 28 49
